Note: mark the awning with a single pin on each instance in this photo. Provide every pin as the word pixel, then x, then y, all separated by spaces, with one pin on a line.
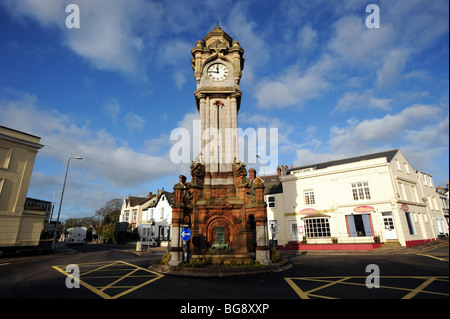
pixel 316 215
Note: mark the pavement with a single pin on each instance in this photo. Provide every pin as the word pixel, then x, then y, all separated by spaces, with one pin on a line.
pixel 385 249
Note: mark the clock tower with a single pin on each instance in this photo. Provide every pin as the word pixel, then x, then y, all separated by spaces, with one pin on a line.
pixel 224 209
pixel 217 63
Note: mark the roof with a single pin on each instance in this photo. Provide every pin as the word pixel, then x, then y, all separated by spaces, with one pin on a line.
pixel 217 33
pixel 272 184
pixel 389 155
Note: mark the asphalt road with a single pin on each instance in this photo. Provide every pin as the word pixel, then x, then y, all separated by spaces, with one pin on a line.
pixel 106 273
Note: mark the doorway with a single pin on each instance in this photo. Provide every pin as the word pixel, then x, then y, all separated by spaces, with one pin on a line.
pixel 294 231
pixel 389 227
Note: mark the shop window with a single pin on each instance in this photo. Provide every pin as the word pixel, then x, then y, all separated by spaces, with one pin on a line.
pixel 317 227
pixel 359 225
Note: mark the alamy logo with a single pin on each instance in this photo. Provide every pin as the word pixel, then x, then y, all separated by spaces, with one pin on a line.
pixel 73 279
pixel 373 19
pixel 73 19
pixel 373 280
pixel 256 146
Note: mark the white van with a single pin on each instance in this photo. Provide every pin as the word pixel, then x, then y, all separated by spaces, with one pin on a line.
pixel 75 236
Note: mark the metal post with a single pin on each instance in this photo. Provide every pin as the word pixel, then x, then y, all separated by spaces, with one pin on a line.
pixel 60 203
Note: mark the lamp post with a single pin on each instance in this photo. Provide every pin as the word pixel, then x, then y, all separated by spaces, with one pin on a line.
pixel 62 196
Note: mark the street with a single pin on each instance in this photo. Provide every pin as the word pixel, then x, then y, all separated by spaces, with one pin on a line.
pixel 106 273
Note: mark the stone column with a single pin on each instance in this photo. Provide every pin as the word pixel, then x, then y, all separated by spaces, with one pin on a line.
pixel 234 126
pixel 262 235
pixel 177 219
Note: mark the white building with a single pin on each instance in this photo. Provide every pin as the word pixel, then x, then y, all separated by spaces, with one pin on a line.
pixel 357 202
pixel 152 215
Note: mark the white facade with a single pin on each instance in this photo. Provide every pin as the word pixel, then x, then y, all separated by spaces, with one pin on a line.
pixel 152 215
pixel 159 219
pixel 357 201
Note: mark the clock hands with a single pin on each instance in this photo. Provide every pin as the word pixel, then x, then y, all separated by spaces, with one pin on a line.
pixel 217 71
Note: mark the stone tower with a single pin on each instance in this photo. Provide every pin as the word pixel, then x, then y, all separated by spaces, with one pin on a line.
pixel 224 209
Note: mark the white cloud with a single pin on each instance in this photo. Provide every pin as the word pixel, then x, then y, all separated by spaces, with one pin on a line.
pixel 416 128
pixel 242 28
pixel 134 121
pixel 294 87
pixel 381 131
pixel 104 155
pixel 356 45
pixel 307 38
pixel 111 107
pixel 389 73
pixel 354 101
pixel 107 36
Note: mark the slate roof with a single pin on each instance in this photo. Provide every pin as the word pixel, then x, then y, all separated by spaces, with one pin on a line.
pixel 389 155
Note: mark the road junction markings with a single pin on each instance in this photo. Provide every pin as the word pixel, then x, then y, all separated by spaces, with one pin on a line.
pixel 438 256
pixel 400 287
pixel 112 280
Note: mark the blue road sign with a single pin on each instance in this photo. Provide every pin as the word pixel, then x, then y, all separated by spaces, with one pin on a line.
pixel 185 234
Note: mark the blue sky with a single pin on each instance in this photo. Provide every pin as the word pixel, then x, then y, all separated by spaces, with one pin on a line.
pixel 113 90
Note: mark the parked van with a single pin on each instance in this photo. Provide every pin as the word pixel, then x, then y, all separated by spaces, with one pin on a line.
pixel 75 236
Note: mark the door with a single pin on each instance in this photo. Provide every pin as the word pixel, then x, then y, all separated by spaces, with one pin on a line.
pixel 294 231
pixel 389 228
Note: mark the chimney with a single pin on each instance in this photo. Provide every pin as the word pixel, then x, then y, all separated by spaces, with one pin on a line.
pixel 252 173
pixel 182 179
pixel 278 170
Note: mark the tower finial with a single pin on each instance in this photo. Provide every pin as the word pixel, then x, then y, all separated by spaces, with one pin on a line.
pixel 217 23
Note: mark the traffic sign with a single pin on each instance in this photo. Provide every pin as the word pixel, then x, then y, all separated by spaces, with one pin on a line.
pixel 185 234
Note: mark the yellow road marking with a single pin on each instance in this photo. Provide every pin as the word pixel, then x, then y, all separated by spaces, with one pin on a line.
pixel 420 288
pixel 328 285
pixel 431 256
pixel 101 290
pixel 342 280
pixel 84 284
pixel 299 292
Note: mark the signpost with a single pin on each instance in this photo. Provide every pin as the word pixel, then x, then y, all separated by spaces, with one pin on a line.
pixel 185 236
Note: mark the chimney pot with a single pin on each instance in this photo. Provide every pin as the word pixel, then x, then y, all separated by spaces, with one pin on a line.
pixel 252 173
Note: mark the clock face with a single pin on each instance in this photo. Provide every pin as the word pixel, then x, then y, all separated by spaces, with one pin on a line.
pixel 217 72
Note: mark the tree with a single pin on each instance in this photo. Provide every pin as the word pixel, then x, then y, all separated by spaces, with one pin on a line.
pixel 110 212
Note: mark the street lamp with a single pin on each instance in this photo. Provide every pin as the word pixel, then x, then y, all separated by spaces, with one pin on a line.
pixel 62 196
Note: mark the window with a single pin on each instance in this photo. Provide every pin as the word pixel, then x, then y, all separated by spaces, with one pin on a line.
pixel 317 227
pixel 127 215
pixel 134 217
pixel 414 192
pixel 361 191
pixel 162 213
pixel 359 225
pixel 402 191
pixel 425 180
pixel 406 168
pixel 309 197
pixel 5 156
pixel 398 165
pixel 271 201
